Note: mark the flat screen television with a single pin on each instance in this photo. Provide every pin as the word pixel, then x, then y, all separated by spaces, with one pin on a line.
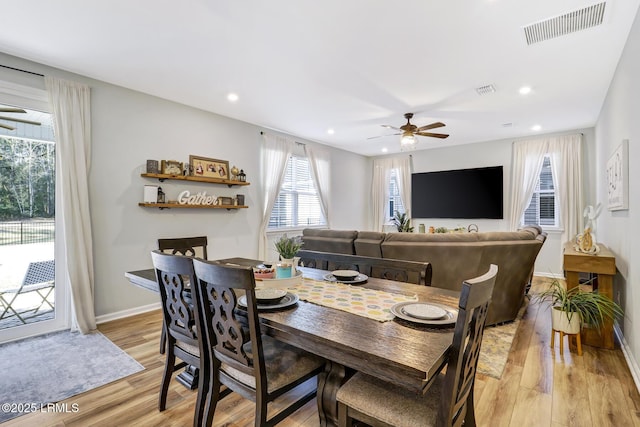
pixel 463 193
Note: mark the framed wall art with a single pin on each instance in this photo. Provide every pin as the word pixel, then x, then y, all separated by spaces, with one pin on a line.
pixel 210 168
pixel 618 178
pixel 171 167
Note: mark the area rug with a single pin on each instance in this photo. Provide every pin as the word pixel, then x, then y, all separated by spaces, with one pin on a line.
pixel 496 345
pixel 54 367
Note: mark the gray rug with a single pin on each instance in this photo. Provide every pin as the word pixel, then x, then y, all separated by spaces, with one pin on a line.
pixel 54 367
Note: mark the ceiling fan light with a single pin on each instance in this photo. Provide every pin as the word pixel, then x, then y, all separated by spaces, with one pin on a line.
pixel 408 139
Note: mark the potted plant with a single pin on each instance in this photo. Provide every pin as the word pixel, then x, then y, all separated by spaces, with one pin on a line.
pixel 402 222
pixel 287 247
pixel 574 308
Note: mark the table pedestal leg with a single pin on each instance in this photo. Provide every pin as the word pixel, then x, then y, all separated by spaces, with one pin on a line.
pixel 329 382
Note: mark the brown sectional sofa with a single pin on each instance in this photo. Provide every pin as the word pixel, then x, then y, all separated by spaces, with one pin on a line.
pixel 454 257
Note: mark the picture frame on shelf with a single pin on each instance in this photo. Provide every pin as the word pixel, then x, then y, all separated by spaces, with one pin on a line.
pixel 171 167
pixel 209 168
pixel 152 166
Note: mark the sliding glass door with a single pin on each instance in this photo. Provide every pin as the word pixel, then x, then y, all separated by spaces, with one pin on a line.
pixel 32 301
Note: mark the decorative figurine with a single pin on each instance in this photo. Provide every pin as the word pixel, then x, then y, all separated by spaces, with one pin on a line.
pixel 234 173
pixel 242 177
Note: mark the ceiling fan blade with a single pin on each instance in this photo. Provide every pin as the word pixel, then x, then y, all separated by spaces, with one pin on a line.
pixel 11 110
pixel 13 119
pixel 432 135
pixel 390 127
pixel 382 136
pixel 431 126
pixel 2 125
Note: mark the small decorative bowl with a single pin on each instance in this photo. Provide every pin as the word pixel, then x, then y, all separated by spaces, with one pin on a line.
pixel 264 273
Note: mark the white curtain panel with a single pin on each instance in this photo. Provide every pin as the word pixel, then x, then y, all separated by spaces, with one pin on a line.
pixel 566 166
pixel 71 107
pixel 528 157
pixel 275 153
pixel 319 159
pixel 380 186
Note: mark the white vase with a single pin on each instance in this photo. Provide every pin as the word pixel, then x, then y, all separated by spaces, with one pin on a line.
pixel 560 321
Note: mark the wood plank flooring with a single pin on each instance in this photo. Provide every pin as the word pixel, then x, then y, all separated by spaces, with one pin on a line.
pixel 538 387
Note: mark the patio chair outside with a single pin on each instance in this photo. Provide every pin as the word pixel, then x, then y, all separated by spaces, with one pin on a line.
pixel 39 279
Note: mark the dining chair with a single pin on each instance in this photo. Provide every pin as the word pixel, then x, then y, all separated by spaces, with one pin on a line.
pixel 449 399
pixel 179 319
pixel 187 246
pixel 238 355
pixel 418 273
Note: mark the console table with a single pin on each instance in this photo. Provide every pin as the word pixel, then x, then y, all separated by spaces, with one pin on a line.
pixel 604 266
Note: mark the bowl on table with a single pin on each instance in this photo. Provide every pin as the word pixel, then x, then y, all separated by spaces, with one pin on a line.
pixel 264 273
pixel 345 275
pixel 270 295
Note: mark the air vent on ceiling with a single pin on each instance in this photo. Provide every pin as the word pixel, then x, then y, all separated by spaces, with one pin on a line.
pixel 571 22
pixel 484 90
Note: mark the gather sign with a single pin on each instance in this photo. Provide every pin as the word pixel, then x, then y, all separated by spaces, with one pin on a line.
pixel 202 198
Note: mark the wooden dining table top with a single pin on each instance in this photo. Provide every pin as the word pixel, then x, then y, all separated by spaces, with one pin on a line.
pixel 398 351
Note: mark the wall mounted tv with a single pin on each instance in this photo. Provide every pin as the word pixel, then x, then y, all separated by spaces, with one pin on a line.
pixel 464 193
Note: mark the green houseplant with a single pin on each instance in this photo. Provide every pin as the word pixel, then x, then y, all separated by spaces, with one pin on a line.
pixel 574 308
pixel 287 247
pixel 402 222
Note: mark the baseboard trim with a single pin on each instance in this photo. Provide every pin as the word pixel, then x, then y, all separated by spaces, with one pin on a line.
pixel 628 356
pixel 127 313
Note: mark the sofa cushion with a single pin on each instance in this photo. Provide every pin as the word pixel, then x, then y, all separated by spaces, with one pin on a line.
pixel 336 241
pixel 368 243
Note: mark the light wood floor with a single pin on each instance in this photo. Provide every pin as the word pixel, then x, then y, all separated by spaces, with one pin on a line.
pixel 538 388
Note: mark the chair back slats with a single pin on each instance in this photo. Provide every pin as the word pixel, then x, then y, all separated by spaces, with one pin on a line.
pixel 217 300
pixel 39 272
pixel 187 246
pixel 381 268
pixel 474 303
pixel 172 274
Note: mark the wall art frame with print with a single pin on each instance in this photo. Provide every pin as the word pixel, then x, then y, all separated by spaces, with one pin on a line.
pixel 209 168
pixel 618 178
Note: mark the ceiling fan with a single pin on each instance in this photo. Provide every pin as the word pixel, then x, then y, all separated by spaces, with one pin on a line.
pixel 13 119
pixel 409 131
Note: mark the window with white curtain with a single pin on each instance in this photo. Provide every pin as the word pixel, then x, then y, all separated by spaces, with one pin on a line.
pixel 542 209
pixel 297 204
pixel 395 202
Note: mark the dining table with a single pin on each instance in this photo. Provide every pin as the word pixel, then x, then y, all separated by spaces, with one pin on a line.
pixel 403 352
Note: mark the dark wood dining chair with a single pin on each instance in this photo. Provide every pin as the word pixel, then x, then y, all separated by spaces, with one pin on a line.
pixel 187 246
pixel 179 319
pixel 449 399
pixel 256 366
pixel 418 273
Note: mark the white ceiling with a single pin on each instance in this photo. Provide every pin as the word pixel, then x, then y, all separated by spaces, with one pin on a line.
pixel 303 67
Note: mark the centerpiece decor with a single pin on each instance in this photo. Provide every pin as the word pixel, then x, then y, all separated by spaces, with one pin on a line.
pixel 288 247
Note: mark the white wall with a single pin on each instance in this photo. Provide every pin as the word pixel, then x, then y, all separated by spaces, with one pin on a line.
pixel 128 128
pixel 619 230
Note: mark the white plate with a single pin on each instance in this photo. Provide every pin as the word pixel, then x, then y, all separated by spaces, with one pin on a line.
pixel 270 294
pixel 360 278
pixel 288 300
pixel 345 275
pixel 449 319
pixel 424 311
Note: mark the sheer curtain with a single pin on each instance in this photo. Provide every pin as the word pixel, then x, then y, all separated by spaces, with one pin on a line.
pixel 566 166
pixel 70 104
pixel 275 152
pixel 380 187
pixel 319 160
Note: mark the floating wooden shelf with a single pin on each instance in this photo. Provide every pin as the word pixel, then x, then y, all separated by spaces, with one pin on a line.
pixel 162 177
pixel 179 206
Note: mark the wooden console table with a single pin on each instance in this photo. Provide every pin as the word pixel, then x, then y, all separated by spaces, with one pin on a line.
pixel 604 266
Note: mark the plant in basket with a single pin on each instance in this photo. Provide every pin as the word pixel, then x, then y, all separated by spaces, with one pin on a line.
pixel 288 247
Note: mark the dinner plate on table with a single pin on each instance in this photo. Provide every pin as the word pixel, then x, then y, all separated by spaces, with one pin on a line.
pixel 287 301
pixel 360 278
pixel 426 313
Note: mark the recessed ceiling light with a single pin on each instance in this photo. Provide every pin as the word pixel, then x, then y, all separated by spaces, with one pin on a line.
pixel 330 131
pixel 525 90
pixel 536 127
pixel 233 97
pixel 384 150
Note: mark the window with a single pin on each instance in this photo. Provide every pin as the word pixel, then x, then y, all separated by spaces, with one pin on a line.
pixel 297 204
pixel 395 202
pixel 542 208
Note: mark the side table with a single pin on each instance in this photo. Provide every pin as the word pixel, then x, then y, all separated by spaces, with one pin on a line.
pixel 604 266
